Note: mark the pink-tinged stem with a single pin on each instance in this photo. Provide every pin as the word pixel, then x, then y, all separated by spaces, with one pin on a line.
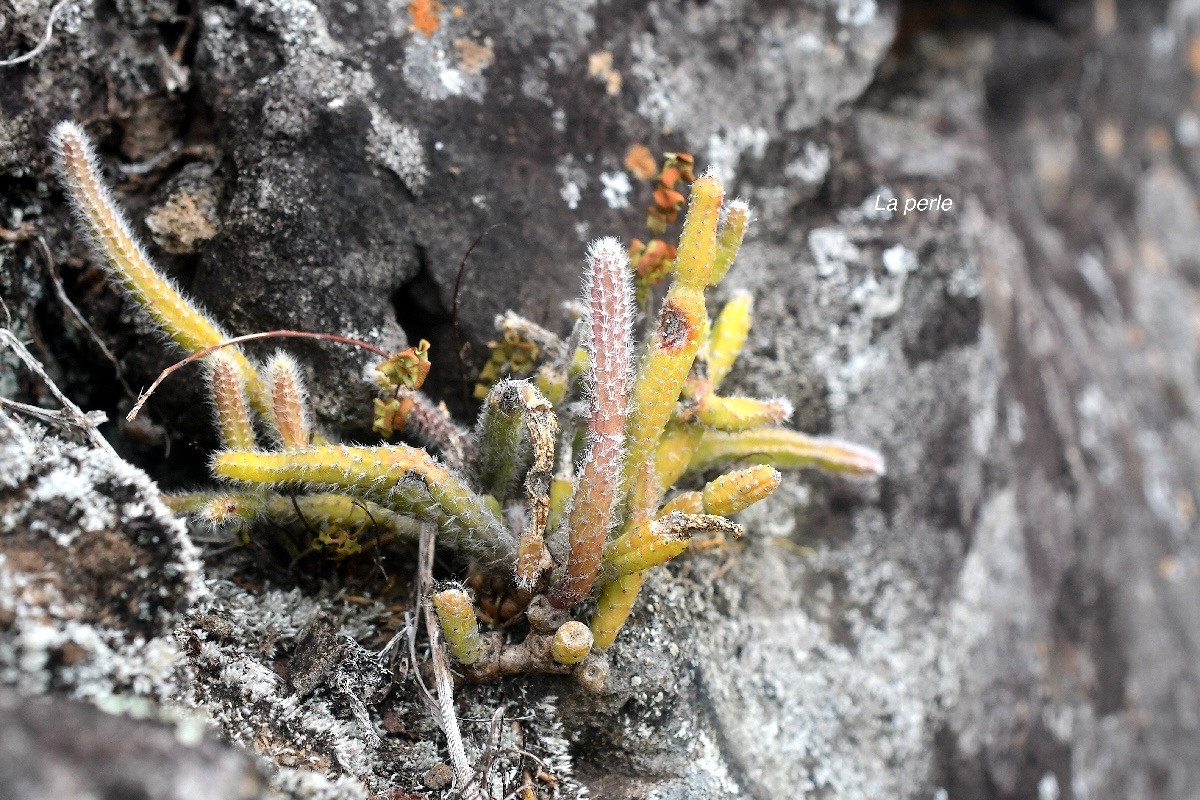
pixel 610 345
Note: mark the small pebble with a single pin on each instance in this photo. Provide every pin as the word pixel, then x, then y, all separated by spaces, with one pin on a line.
pixel 439 776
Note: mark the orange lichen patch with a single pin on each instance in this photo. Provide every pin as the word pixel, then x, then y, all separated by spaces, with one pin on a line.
pixel 424 15
pixel 641 163
pixel 474 57
pixel 600 67
pixel 669 200
pixel 458 12
pixel 1194 56
pixel 677 167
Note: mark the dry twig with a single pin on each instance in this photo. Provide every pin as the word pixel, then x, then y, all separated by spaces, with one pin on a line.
pixel 443 681
pixel 199 354
pixel 61 292
pixel 45 40
pixel 71 415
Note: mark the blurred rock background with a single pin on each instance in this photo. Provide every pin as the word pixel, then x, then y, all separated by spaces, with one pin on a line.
pixel 1013 612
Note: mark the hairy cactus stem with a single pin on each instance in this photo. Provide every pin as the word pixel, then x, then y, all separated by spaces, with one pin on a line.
pixel 432 426
pixel 618 596
pixel 113 240
pixel 289 401
pixel 740 413
pixel 561 490
pixel 786 448
pixel 508 403
pixel 684 503
pixel 736 491
pixel 673 347
pixel 613 607
pixel 237 510
pixel 381 473
pixel 674 452
pixel 456 614
pixel 657 541
pixel 227 388
pixel 261 400
pixel 728 336
pixel 729 240
pixel 610 349
pixel 340 510
pixel 499 435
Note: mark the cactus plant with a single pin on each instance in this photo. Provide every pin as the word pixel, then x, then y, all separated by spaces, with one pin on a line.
pixel 511 497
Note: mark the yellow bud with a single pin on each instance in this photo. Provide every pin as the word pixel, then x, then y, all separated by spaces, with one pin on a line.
pixel 572 642
pixel 736 491
pixel 729 240
pixel 456 613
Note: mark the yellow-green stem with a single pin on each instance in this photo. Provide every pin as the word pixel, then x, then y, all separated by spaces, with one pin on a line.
pixel 456 613
pixel 381 474
pixel 186 325
pixel 673 347
pixel 787 449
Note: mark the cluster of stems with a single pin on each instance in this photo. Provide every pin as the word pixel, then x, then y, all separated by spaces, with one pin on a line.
pixel 566 489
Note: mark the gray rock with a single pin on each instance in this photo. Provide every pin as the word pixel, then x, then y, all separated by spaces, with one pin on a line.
pixel 1009 613
pixel 54 748
pixel 94 572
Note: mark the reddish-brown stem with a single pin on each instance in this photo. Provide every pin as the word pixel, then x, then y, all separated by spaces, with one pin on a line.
pixel 199 354
pixel 610 347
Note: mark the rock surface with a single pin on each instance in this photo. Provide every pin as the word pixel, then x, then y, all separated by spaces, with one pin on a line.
pixel 51 749
pixel 1011 613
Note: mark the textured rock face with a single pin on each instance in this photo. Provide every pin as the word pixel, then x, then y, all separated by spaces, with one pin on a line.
pixel 1010 613
pixel 58 748
pixel 95 572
